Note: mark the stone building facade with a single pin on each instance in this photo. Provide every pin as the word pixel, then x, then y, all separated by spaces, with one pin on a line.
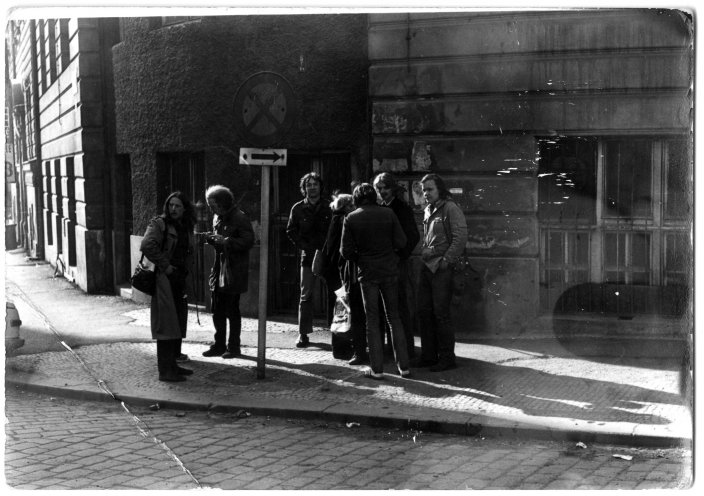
pixel 564 136
pixel 566 139
pixel 72 213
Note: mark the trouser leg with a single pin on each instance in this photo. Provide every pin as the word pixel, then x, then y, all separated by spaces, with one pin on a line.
pixel 426 318
pixel 219 308
pixel 358 321
pixel 389 294
pixel 305 306
pixel 370 297
pixel 442 296
pixel 235 318
pixel 405 310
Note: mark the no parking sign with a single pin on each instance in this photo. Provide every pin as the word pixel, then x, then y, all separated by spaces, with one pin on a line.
pixel 264 109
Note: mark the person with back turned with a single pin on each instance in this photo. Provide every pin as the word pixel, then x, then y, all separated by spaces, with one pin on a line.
pixel 371 234
pixel 390 193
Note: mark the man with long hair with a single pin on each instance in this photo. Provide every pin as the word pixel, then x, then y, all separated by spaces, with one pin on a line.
pixel 444 239
pixel 232 237
pixel 391 196
pixel 307 228
pixel 168 243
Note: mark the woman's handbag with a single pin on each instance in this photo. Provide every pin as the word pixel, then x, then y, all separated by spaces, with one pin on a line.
pixel 143 279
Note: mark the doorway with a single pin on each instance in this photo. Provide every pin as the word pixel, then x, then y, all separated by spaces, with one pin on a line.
pixel 284 259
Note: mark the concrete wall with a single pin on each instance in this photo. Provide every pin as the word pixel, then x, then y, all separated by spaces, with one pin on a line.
pixel 467 95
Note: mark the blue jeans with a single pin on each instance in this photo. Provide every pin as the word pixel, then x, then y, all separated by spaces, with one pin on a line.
pixel 437 338
pixel 388 288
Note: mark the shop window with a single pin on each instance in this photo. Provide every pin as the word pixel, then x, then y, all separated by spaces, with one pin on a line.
pixel 567 180
pixel 627 258
pixel 628 177
pixel 626 246
pixel 566 256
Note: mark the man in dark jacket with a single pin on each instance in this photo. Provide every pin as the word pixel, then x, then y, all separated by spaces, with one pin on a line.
pixel 390 193
pixel 370 237
pixel 232 238
pixel 307 228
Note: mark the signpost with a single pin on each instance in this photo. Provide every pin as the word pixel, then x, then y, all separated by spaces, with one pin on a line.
pixel 264 111
pixel 266 158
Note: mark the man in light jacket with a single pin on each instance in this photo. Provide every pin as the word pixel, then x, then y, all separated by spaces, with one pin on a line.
pixel 444 239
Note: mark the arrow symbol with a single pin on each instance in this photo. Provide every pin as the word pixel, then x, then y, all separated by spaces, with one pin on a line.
pixel 274 157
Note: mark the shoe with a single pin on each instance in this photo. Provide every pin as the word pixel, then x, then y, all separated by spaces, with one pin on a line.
pixel 183 358
pixel 359 359
pixel 171 377
pixel 184 371
pixel 232 353
pixel 441 366
pixel 214 351
pixel 404 373
pixel 422 362
pixel 373 375
pixel 302 341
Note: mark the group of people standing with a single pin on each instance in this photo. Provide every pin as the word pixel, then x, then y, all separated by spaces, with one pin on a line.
pixel 368 237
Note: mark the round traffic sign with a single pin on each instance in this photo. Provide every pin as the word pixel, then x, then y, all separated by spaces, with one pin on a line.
pixel 264 109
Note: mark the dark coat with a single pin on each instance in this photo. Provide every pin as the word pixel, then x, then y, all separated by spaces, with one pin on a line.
pixel 336 264
pixel 407 219
pixel 371 235
pixel 237 230
pixel 164 320
pixel 308 226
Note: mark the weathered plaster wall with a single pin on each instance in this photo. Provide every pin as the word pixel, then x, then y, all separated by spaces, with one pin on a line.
pixel 468 95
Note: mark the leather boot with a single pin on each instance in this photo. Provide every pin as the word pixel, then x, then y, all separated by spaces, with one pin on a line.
pixel 166 359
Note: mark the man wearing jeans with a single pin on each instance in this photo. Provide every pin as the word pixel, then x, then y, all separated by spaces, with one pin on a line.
pixel 307 228
pixel 371 235
pixel 444 239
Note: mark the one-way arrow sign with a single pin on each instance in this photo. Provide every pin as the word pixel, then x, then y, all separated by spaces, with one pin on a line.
pixel 262 156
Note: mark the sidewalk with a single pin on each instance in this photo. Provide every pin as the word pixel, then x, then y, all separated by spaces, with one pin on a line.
pixel 537 390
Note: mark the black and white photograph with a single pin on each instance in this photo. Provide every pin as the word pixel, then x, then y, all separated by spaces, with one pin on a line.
pixel 290 247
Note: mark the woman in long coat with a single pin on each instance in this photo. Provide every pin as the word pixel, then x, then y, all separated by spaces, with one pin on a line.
pixel 168 243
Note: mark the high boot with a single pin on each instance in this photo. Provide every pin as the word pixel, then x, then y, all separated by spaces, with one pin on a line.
pixel 166 360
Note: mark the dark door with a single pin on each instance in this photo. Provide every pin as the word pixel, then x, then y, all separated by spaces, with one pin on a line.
pixel 284 259
pixel 185 172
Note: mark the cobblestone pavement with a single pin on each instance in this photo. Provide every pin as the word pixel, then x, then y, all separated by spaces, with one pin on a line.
pixel 57 443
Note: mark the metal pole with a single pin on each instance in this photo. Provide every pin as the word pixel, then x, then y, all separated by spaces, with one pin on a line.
pixel 263 271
